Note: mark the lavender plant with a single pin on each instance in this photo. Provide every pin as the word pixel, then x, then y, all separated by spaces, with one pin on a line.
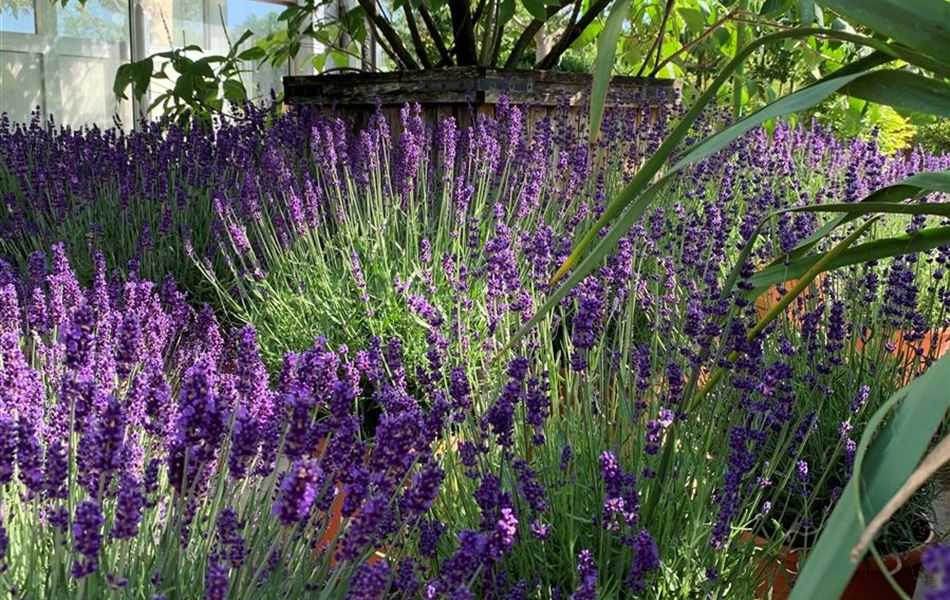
pixel 149 456
pixel 491 469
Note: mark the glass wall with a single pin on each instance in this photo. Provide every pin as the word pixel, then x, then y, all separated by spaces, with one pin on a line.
pixel 63 60
pixel 261 18
pixel 17 16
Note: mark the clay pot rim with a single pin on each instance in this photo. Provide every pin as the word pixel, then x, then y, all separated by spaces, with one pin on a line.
pixel 907 558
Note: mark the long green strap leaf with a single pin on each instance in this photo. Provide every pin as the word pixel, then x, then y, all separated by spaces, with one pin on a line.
pixel 883 463
pixel 919 241
pixel 636 205
pixel 653 165
pixel 810 96
pixel 939 209
pixel 604 64
pixel 636 196
pixel 633 205
pixel 913 186
pixel 779 308
pixel 923 61
pixel 933 462
pixel 904 90
pixel 920 24
pixel 937 181
pixel 795 102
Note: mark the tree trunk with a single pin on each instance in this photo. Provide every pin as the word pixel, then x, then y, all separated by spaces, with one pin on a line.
pixel 464 33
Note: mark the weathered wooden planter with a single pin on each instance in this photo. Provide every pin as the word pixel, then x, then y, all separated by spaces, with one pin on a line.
pixel 464 91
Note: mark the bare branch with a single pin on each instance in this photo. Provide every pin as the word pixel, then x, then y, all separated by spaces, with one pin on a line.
pixel 571 34
pixel 386 30
pixel 658 42
pixel 526 37
pixel 693 43
pixel 436 36
pixel 416 38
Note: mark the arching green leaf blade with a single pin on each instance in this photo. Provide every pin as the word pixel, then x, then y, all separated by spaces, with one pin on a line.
pixel 922 24
pixel 796 101
pixel 920 241
pixel 915 185
pixel 904 90
pixel 603 65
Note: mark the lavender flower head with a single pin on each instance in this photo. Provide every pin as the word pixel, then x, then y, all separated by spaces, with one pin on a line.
pixel 587 577
pixel 87 538
pixel 297 492
pixel 936 561
pixel 216 580
pixel 128 511
pixel 370 582
pixel 77 338
pixel 646 558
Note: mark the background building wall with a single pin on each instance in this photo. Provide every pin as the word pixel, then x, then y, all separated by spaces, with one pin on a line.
pixel 63 60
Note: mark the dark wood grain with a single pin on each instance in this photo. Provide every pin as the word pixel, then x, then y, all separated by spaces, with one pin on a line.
pixel 469 85
pixel 462 92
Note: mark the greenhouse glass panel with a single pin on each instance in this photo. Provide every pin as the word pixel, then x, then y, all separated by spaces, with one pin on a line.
pixel 90 44
pixel 98 20
pixel 173 23
pixel 18 16
pixel 261 19
pixel 63 60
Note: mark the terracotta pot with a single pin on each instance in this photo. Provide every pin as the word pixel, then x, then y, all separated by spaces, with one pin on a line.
pixel 935 343
pixel 765 302
pixel 335 515
pixel 933 346
pixel 778 572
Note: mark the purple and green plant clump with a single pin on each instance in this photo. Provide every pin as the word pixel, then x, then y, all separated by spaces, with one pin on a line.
pixel 276 359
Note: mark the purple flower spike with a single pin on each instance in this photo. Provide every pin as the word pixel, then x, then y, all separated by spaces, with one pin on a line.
pixel 4 546
pixel 586 324
pixel 77 338
pixel 87 538
pixel 297 492
pixel 128 510
pixel 216 580
pixel 646 558
pixel 587 576
pixel 370 582
pixel 936 561
pixel 429 534
pixel 8 446
pixel 425 488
